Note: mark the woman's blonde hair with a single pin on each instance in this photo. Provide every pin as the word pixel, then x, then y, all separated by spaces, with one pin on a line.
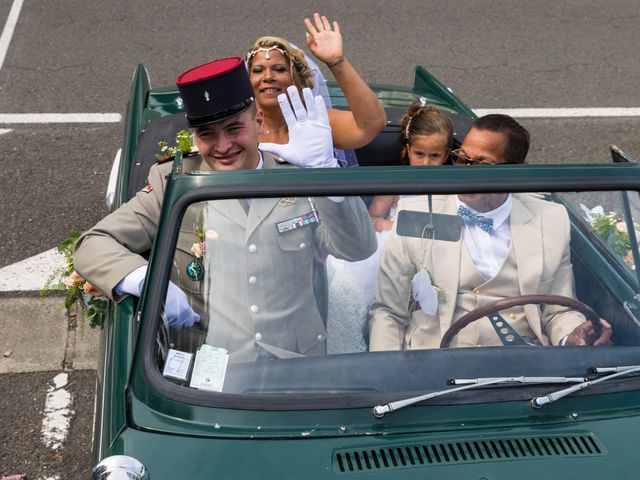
pixel 300 72
pixel 422 119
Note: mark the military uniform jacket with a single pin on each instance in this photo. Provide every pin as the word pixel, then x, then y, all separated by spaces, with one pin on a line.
pixel 258 289
pixel 540 238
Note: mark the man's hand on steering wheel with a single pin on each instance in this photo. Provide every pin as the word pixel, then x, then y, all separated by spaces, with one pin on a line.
pixel 595 331
pixel 583 334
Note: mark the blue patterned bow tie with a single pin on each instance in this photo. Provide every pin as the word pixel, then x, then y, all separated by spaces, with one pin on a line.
pixel 471 218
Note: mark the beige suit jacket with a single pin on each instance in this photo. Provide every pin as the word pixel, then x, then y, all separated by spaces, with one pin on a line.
pixel 540 236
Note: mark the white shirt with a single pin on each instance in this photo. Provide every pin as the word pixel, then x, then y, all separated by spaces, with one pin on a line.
pixel 489 251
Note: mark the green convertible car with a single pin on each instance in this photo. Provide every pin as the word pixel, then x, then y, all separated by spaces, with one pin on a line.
pixel 174 404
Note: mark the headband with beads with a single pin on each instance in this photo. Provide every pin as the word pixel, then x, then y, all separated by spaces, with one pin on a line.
pixel 266 51
pixel 423 103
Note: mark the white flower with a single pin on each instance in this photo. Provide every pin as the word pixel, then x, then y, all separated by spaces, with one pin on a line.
pixel 211 235
pixel 590 213
pixel 197 249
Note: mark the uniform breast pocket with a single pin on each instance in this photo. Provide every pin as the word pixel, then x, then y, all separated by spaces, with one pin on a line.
pixel 296 249
pixel 181 274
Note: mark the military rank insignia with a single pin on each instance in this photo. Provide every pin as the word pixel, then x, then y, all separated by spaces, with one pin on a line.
pixel 147 189
pixel 297 222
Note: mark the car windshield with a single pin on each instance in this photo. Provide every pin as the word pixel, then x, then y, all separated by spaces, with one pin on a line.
pixel 352 297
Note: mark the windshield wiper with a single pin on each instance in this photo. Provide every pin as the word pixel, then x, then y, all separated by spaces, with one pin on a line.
pixel 475 381
pixel 537 402
pixel 380 411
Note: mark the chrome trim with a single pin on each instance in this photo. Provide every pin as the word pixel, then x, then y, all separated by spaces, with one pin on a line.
pixel 120 467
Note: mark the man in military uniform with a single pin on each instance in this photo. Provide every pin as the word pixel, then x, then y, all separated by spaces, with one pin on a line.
pixel 257 241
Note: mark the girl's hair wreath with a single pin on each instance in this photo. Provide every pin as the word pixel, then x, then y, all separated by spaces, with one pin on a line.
pixel 417 109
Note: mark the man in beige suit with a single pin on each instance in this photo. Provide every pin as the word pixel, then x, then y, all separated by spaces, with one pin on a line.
pixel 279 315
pixel 511 245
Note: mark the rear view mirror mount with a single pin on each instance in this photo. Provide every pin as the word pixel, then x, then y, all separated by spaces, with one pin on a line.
pixel 431 226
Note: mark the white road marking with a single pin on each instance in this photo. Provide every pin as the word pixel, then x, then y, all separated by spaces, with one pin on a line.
pixel 561 112
pixel 60 118
pixel 30 274
pixel 57 413
pixel 604 112
pixel 4 130
pixel 9 27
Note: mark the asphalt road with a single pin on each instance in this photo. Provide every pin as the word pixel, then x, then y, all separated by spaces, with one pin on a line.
pixel 73 56
pixel 22 450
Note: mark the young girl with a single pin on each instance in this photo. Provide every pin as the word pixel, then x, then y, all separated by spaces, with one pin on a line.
pixel 427 137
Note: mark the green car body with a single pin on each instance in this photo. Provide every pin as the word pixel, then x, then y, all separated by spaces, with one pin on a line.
pixel 480 434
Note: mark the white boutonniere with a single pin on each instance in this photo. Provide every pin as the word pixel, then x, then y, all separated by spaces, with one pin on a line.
pixel 425 294
pixel 199 248
pixel 211 235
pixel 195 268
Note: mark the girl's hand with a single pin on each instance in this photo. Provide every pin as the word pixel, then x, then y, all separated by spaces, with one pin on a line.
pixel 382 224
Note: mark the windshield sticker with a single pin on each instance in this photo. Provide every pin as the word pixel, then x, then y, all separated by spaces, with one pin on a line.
pixel 209 368
pixel 297 222
pixel 177 365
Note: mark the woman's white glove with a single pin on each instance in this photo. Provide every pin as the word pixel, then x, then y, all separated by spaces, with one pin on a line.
pixel 310 143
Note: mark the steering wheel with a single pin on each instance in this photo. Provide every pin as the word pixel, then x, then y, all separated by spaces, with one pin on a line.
pixel 499 305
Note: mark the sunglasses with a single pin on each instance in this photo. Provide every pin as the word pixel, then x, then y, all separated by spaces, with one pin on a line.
pixel 459 159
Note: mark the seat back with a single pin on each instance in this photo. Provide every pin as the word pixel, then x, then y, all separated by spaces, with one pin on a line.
pixel 160 129
pixel 385 149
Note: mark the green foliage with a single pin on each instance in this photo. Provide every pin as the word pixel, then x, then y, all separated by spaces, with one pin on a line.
pixel 200 227
pixel 92 308
pixel 614 234
pixel 183 143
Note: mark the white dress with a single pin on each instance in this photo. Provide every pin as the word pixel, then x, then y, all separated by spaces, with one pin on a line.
pixel 352 288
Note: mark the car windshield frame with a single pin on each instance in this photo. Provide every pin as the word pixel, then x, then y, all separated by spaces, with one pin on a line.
pixel 192 187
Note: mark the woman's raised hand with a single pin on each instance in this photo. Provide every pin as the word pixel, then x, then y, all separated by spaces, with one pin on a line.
pixel 324 40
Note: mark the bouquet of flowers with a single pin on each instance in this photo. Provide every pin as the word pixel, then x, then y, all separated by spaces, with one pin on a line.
pixel 613 232
pixel 91 303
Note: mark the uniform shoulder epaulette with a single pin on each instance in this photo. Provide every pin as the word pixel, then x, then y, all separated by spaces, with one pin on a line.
pixel 165 159
pixel 171 158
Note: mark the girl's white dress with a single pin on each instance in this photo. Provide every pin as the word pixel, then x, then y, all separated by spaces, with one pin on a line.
pixel 352 288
